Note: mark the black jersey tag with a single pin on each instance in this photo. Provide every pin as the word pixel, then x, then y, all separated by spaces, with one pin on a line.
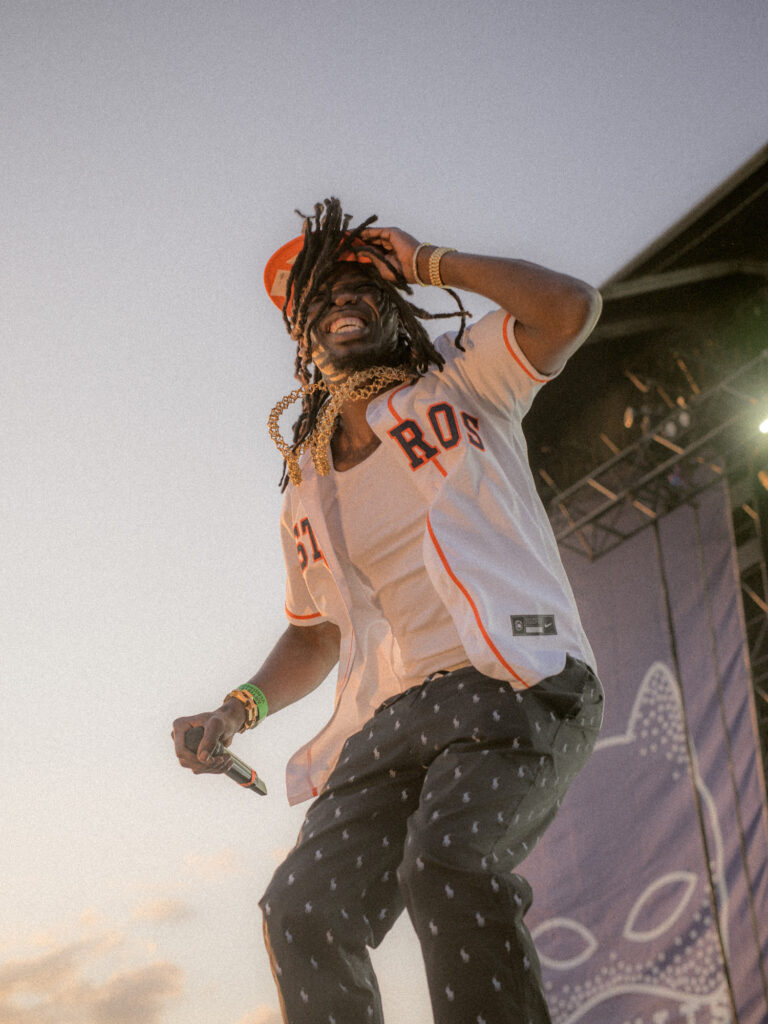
pixel 533 625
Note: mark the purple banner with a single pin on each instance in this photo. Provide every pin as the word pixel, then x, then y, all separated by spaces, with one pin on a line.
pixel 651 887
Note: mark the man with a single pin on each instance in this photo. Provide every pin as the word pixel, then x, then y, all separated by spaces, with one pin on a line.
pixel 420 559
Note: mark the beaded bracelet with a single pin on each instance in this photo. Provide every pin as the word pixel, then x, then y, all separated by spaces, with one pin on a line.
pixel 254 702
pixel 416 251
pixel 251 711
pixel 258 698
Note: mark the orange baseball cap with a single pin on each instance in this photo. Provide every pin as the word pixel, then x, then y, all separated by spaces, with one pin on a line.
pixel 279 265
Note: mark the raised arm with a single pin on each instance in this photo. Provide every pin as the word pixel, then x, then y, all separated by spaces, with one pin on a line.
pixel 553 312
pixel 296 665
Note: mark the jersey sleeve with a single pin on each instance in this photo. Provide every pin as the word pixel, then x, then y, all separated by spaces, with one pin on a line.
pixel 300 607
pixel 493 365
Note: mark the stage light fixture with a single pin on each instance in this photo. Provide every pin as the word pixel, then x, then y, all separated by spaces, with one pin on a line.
pixel 639 416
pixel 763 428
pixel 676 424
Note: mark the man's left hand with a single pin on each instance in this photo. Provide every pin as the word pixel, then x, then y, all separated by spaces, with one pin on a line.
pixel 397 249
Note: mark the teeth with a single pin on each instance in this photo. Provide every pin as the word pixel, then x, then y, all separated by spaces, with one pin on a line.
pixel 347 323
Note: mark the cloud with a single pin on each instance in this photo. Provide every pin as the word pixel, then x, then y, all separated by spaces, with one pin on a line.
pixel 263 1014
pixel 163 910
pixel 212 865
pixel 42 974
pixel 138 996
pixel 52 988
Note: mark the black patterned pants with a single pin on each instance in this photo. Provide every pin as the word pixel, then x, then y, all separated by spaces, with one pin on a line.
pixel 432 806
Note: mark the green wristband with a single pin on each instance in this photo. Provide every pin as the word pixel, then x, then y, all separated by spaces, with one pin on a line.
pixel 258 697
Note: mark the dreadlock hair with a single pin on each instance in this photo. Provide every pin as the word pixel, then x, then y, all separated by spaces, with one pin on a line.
pixel 327 238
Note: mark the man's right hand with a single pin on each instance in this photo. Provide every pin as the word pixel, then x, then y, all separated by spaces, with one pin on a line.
pixel 218 726
pixel 299 661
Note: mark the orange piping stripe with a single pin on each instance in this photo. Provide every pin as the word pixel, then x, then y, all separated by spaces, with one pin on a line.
pixel 472 605
pixel 523 367
pixel 291 615
pixel 391 407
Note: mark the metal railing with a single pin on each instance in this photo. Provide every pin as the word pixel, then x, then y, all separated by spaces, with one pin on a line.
pixel 665 468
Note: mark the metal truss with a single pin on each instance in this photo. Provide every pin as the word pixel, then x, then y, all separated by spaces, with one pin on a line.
pixel 753 577
pixel 683 454
pixel 657 474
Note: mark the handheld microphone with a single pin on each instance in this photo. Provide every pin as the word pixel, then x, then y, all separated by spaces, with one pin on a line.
pixel 242 773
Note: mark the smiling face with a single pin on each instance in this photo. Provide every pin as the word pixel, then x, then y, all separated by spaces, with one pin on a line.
pixel 354 325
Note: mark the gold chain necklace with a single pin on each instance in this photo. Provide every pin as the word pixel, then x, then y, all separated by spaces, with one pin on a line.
pixel 358 386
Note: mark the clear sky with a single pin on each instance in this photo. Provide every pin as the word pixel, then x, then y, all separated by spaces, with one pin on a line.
pixel 152 153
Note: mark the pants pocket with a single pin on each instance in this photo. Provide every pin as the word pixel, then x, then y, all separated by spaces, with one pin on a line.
pixel 573 694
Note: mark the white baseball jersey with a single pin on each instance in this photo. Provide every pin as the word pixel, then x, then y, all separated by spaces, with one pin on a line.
pixel 488 546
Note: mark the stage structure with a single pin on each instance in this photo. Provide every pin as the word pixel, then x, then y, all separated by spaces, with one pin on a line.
pixel 661 402
pixel 652 884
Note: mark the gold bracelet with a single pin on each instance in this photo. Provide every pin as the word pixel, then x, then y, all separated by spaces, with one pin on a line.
pixel 416 251
pixel 251 710
pixel 434 265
